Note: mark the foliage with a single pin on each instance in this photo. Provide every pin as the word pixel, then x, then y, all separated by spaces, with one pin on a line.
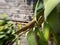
pixel 6 32
pixel 44 26
pixel 31 38
pixel 50 25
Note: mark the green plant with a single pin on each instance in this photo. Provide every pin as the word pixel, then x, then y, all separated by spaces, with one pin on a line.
pixel 44 24
pixel 6 32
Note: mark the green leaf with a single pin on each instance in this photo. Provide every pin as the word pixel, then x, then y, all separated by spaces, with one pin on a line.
pixel 46 30
pixel 19 25
pixel 41 39
pixel 1 22
pixel 54 20
pixel 49 6
pixel 1 33
pixel 31 38
pixel 1 28
pixel 1 36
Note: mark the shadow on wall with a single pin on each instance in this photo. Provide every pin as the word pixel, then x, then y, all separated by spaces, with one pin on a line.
pixel 29 1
